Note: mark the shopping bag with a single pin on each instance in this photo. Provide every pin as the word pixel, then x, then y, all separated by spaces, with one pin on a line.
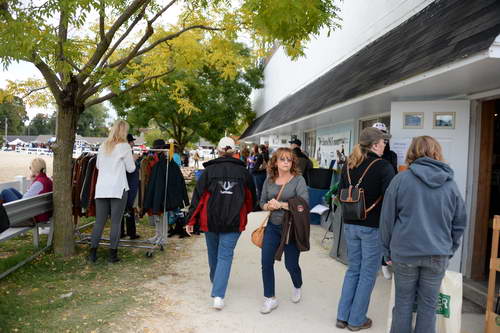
pixel 449 308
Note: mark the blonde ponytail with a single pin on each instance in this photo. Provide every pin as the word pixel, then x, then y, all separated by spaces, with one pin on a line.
pixel 117 134
pixel 357 156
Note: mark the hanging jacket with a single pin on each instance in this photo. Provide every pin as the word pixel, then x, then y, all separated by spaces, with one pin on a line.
pixel 224 195
pixel 85 193
pixel 176 190
pixel 296 226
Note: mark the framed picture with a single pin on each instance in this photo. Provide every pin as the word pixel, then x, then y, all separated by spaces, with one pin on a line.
pixel 413 120
pixel 443 120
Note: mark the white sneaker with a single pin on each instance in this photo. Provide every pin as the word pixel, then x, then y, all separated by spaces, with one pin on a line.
pixel 269 305
pixel 386 272
pixel 218 303
pixel 296 295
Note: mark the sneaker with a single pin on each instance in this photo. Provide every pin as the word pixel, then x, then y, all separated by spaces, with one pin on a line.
pixel 296 295
pixel 218 303
pixel 269 305
pixel 386 272
pixel 366 325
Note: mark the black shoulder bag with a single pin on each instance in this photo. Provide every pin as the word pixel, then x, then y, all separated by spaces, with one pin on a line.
pixel 353 198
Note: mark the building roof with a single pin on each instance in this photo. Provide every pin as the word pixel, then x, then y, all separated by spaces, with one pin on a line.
pixel 24 138
pixel 443 32
pixel 43 138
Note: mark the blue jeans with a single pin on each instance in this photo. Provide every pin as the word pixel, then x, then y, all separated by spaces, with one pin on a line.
pixel 364 255
pixel 420 281
pixel 220 246
pixel 10 194
pixel 272 238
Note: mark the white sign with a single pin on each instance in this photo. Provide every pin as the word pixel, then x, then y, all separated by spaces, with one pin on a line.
pixel 400 147
pixel 328 145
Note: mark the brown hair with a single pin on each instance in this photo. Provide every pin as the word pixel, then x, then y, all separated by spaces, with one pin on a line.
pixel 424 146
pixel 255 149
pixel 272 166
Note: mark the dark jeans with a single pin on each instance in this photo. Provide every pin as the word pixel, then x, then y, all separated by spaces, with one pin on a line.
pixel 272 238
pixel 10 194
pixel 419 280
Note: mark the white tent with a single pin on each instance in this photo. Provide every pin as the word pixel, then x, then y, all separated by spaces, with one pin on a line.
pixel 17 142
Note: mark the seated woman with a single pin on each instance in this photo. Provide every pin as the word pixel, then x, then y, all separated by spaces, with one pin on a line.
pixel 40 184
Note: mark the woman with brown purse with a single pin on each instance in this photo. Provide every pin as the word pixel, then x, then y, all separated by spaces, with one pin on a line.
pixel 282 183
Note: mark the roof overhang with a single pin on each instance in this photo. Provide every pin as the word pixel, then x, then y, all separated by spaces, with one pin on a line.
pixel 450 49
pixel 465 79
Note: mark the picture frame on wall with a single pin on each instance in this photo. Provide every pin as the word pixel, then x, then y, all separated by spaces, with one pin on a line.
pixel 443 120
pixel 413 120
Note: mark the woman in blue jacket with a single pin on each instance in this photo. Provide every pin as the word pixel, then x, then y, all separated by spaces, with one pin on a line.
pixel 422 221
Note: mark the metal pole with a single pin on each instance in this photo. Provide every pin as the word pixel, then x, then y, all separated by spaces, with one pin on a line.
pixel 6 128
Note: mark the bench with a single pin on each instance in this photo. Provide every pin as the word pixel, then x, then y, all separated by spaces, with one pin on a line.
pixel 22 210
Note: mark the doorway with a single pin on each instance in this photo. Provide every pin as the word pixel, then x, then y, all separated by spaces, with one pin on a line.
pixel 488 196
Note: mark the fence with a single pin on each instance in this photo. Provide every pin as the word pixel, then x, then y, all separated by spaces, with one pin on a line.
pixel 34 151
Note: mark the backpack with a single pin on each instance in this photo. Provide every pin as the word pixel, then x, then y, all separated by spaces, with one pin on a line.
pixel 353 198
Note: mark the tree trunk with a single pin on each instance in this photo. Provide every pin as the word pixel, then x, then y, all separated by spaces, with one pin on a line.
pixel 64 242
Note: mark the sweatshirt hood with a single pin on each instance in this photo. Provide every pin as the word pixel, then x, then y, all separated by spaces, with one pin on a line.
pixel 224 160
pixel 431 172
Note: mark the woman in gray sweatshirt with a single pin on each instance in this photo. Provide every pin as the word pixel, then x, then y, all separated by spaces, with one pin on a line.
pixel 422 221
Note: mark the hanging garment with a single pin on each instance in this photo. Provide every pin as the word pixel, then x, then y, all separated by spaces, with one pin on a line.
pixel 154 200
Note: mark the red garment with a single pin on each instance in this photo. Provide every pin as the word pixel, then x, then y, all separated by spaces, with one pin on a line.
pixel 200 215
pixel 47 187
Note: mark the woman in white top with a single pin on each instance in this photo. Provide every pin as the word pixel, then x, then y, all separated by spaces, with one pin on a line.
pixel 114 160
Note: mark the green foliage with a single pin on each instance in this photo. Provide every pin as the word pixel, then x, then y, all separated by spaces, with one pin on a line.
pixel 15 113
pixel 193 105
pixel 152 135
pixel 93 121
pixel 40 125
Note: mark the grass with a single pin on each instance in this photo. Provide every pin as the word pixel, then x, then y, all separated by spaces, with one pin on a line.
pixel 54 294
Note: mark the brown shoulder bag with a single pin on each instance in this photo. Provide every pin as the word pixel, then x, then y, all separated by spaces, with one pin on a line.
pixel 263 216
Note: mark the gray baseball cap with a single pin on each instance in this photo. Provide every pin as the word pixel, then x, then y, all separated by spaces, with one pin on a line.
pixel 371 135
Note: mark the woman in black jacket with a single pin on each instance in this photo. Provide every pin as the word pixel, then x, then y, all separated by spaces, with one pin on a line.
pixel 362 236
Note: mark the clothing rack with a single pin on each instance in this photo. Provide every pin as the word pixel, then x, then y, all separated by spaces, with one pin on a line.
pixel 492 318
pixel 136 243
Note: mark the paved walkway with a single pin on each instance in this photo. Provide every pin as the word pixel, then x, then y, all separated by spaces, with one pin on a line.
pixel 186 305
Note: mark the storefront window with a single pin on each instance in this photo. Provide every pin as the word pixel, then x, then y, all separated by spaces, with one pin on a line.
pixel 369 122
pixel 309 142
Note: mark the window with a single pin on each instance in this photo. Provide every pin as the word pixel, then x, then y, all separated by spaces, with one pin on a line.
pixel 309 145
pixel 386 120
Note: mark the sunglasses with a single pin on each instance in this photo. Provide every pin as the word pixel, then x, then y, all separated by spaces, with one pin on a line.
pixel 285 159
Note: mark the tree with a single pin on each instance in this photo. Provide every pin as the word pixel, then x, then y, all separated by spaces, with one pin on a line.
pixel 85 64
pixel 40 125
pixel 14 111
pixel 208 105
pixel 93 121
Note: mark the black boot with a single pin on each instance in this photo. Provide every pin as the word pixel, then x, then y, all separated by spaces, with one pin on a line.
pixel 113 255
pixel 92 254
